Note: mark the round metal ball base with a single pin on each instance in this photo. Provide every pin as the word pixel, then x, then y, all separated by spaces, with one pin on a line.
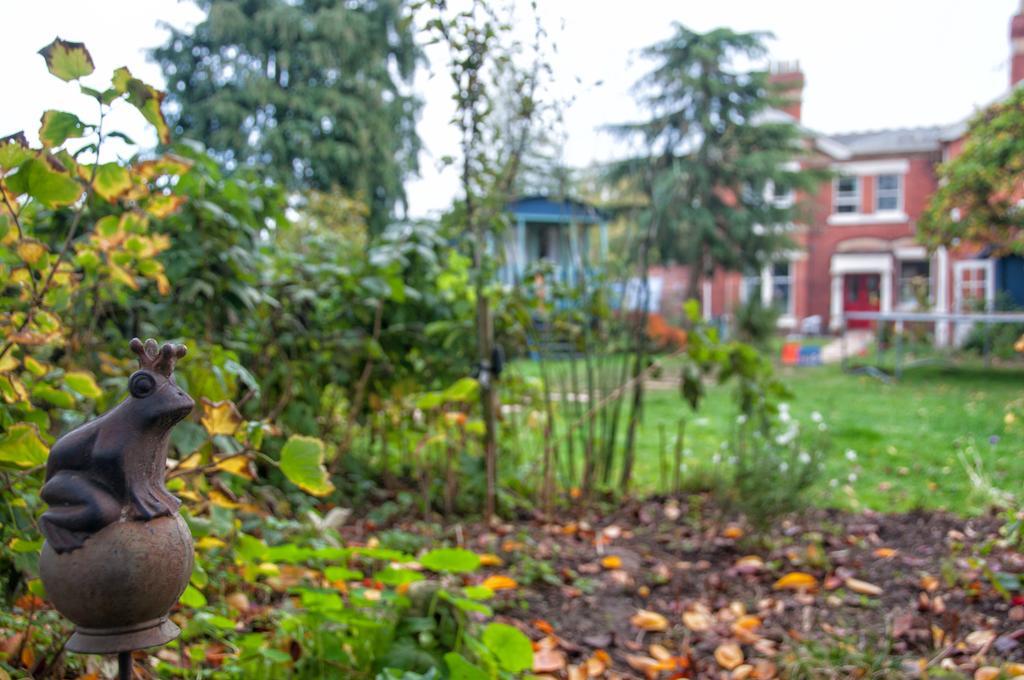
pixel 115 640
pixel 119 587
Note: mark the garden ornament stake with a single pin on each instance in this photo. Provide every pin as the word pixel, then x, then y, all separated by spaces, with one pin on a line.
pixel 117 554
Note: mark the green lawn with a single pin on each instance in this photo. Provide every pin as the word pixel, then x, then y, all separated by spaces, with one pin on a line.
pixel 894 446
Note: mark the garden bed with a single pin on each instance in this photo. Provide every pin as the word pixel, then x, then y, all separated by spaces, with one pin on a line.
pixel 826 595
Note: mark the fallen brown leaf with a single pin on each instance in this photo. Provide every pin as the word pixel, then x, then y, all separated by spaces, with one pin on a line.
pixel 729 655
pixel 863 587
pixel 647 620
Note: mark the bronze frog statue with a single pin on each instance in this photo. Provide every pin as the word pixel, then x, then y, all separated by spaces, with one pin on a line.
pixel 117 554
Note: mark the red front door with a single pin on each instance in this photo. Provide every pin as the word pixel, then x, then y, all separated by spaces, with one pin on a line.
pixel 861 294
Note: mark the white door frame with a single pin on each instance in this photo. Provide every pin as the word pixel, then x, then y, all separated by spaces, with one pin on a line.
pixel 859 263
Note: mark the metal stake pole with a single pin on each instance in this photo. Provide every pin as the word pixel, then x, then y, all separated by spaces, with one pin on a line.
pixel 124 666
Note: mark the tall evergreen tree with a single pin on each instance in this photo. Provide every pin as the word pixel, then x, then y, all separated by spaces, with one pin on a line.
pixel 315 92
pixel 714 156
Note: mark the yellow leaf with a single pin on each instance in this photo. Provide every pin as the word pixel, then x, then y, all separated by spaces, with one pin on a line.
pixel 163 205
pixel 886 553
pixel 745 629
pixel 163 286
pixel 729 655
pixel 490 560
pixel 744 671
pixel 595 666
pixel 645 664
pixel 747 622
pixel 986 673
pixel 929 583
pixel 9 363
pixel 121 275
pixel 31 251
pixel 237 465
pixel 209 542
pixel 220 417
pixel 733 531
pixel 796 580
pixel 980 638
pixel 697 621
pixel 863 587
pixel 612 562
pixel 12 389
pixel 498 582
pixel 219 498
pixel 548 660
pixel 749 563
pixel 36 368
pixel 190 463
pixel 648 620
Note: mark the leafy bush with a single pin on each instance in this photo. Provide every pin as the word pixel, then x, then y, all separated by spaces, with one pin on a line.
pixel 772 468
pixel 88 255
pixel 996 339
pixel 771 461
pixel 755 323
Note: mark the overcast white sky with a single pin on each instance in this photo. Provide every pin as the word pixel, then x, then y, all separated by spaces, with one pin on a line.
pixel 869 64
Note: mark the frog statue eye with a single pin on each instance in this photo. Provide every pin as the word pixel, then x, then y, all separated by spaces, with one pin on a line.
pixel 141 384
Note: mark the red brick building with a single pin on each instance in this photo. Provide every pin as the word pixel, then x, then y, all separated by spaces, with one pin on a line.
pixel 856 248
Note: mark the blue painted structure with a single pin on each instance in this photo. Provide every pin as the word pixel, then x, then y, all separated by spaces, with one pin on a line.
pixel 556 230
pixel 1010 278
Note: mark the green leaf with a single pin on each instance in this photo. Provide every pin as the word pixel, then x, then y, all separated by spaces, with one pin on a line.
pixel 460 669
pixel 464 389
pixel 193 598
pixel 52 395
pixel 22 446
pixel 58 126
pixel 342 574
pixel 466 604
pixel 302 462
pixel 119 81
pixel 111 181
pixel 83 383
pixel 453 560
pixel 147 100
pixel 14 151
pixel 396 577
pixel 512 648
pixel 67 60
pixel 20 545
pixel 40 180
pixel 479 592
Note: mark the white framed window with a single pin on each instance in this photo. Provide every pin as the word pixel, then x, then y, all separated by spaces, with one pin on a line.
pixel 888 192
pixel 779 196
pixel 915 281
pixel 846 192
pixel 973 285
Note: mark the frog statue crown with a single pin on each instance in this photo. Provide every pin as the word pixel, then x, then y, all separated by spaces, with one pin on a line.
pixel 156 358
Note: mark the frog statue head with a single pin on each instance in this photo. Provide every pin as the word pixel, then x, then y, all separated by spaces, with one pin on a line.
pixel 153 396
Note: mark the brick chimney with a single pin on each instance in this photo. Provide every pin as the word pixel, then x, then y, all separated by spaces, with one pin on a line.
pixel 789 79
pixel 1017 47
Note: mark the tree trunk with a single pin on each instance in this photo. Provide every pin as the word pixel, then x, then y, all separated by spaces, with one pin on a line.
pixel 488 388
